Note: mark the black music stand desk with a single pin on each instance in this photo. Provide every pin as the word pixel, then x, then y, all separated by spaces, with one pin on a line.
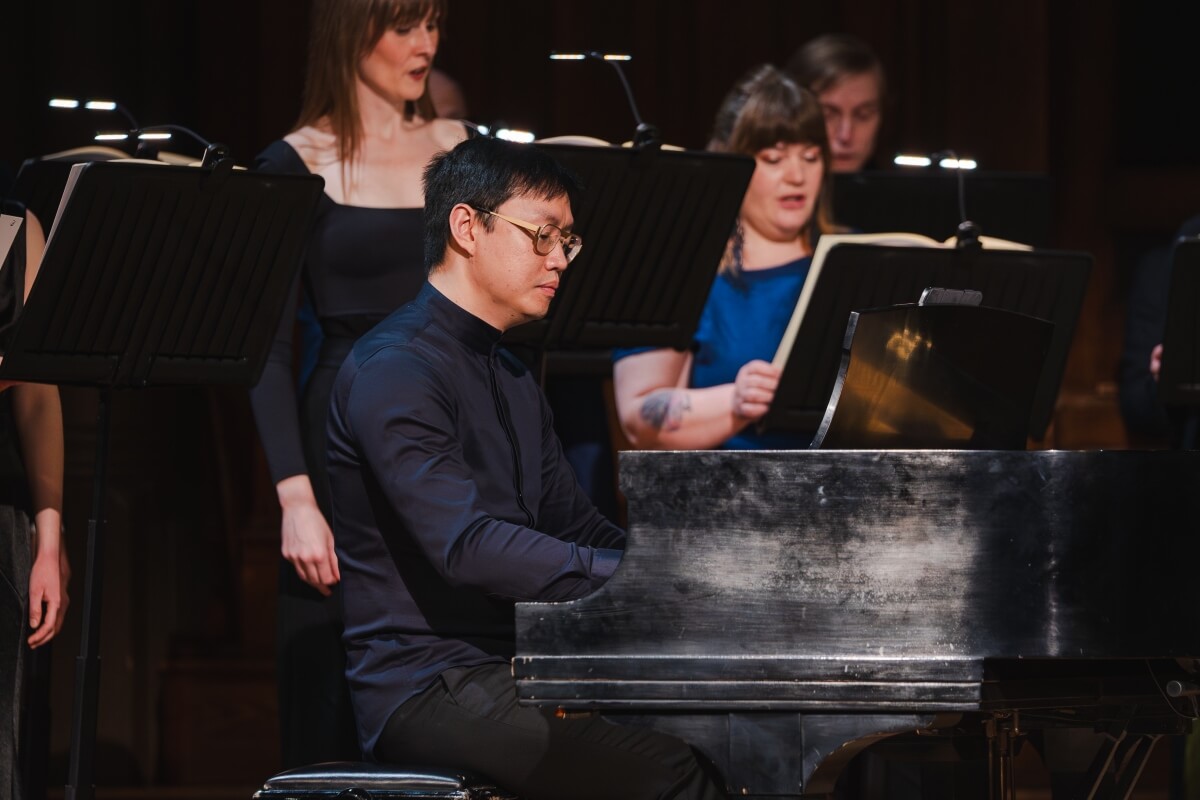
pixel 1009 205
pixel 654 223
pixel 154 275
pixel 1045 284
pixel 948 377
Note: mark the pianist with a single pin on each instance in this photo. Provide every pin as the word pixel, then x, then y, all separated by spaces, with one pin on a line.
pixel 452 500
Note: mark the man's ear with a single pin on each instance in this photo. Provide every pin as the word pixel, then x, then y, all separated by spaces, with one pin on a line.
pixel 462 228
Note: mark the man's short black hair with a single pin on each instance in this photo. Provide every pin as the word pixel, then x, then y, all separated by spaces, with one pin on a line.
pixel 485 173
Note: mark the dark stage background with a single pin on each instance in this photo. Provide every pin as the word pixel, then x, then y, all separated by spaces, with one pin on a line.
pixel 1098 95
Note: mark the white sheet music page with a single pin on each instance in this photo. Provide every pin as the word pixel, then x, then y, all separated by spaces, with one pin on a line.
pixel 9 225
pixel 62 203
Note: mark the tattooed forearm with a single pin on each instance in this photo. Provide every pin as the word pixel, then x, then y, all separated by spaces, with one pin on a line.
pixel 665 410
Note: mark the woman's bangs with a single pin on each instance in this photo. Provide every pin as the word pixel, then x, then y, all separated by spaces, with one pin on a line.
pixel 769 129
pixel 406 13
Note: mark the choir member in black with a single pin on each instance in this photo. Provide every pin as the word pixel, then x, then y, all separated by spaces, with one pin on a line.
pixel 33 561
pixel 1145 416
pixel 368 128
pixel 452 500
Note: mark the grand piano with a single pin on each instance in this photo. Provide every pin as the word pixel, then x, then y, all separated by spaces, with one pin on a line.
pixel 782 611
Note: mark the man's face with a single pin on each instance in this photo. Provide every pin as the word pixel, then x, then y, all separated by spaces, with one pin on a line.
pixel 510 276
pixel 852 114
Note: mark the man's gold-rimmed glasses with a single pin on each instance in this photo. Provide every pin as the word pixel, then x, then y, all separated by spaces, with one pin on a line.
pixel 545 237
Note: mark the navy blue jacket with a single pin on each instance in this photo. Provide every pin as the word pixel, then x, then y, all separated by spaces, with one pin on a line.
pixel 451 500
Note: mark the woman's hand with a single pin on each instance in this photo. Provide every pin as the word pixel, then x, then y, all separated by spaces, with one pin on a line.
pixel 48 581
pixel 306 540
pixel 754 389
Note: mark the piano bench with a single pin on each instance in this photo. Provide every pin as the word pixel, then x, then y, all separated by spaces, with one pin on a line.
pixel 351 780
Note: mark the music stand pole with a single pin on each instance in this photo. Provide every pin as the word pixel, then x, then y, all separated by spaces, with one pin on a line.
pixel 80 774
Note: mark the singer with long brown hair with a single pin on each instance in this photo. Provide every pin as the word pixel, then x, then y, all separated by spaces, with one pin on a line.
pixel 368 127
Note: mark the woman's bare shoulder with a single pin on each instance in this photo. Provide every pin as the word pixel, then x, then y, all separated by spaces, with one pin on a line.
pixel 316 145
pixel 446 133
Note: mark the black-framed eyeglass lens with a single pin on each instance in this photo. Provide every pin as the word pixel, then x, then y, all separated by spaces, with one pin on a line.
pixel 545 237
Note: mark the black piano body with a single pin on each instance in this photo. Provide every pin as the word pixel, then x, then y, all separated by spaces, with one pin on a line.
pixel 782 610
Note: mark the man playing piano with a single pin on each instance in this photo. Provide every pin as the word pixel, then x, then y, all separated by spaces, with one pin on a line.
pixel 452 501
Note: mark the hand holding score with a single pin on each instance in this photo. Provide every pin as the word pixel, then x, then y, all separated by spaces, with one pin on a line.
pixel 754 389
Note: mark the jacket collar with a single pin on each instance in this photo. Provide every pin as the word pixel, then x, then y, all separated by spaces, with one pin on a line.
pixel 458 322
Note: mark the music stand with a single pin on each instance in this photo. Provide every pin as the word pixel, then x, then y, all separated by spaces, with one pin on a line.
pixel 1008 205
pixel 949 377
pixel 1179 378
pixel 40 182
pixel 154 275
pixel 1044 284
pixel 655 223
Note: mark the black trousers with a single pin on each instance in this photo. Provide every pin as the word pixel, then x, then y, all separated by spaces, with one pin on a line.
pixel 469 719
pixel 316 719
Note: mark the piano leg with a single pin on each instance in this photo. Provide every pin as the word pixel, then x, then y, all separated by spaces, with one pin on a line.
pixel 1117 767
pixel 1002 732
pixel 1089 765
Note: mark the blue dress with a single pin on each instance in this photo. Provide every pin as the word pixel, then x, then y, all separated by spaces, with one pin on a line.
pixel 744 319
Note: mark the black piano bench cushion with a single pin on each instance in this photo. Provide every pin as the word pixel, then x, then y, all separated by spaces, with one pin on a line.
pixel 361 781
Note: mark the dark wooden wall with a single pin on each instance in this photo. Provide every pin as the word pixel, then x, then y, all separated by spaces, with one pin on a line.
pixel 1099 95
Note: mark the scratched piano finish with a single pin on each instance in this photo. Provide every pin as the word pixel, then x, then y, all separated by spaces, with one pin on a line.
pixel 870 582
